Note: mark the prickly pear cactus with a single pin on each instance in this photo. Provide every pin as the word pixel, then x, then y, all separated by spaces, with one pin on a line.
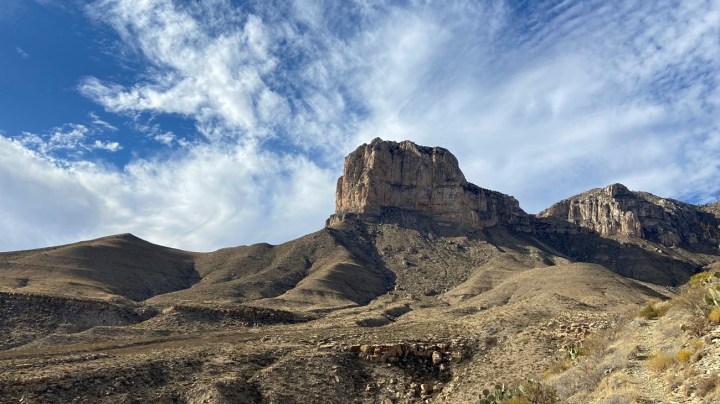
pixel 501 392
pixel 713 296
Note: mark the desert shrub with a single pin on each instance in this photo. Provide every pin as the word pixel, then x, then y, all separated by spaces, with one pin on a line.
pixel 714 315
pixel 598 342
pixel 700 278
pixel 683 355
pixel 708 384
pixel 620 398
pixel 653 310
pixel 557 367
pixel 527 392
pixel 537 393
pixel 583 377
pixel 691 299
pixel 575 351
pixel 712 297
pixel 660 361
pixel 697 325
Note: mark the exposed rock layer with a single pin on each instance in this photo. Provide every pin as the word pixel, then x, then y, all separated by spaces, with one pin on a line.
pixel 386 175
pixel 615 210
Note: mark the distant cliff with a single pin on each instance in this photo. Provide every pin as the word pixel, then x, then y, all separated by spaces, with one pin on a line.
pixel 615 210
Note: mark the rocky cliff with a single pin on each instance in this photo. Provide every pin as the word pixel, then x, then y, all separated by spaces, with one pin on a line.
pixel 615 210
pixel 386 175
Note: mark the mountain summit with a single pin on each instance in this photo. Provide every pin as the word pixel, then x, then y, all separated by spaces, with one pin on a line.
pixel 385 177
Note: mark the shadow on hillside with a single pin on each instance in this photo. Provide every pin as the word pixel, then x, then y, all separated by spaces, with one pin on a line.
pixel 557 237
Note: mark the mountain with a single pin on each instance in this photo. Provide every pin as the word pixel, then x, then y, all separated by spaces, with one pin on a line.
pixel 617 211
pixel 116 266
pixel 421 285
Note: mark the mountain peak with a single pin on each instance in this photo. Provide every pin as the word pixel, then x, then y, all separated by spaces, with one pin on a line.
pixel 387 175
pixel 617 189
pixel 615 210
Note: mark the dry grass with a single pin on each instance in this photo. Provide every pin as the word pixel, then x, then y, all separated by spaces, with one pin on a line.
pixel 660 361
pixel 714 315
pixel 536 393
pixel 690 298
pixel 653 310
pixel 678 338
pixel 700 278
pixel 708 385
pixel 683 355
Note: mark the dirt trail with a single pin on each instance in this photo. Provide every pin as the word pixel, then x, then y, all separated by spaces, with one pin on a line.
pixel 650 386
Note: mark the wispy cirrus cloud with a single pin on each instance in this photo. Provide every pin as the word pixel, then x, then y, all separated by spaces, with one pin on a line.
pixel 215 78
pixel 96 121
pixel 70 142
pixel 537 99
pixel 21 52
pixel 554 100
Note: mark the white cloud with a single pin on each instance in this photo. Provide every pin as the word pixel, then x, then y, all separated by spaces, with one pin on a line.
pixel 42 205
pixel 596 95
pixel 538 103
pixel 22 53
pixel 166 138
pixel 108 146
pixel 212 197
pixel 200 75
pixel 95 120
pixel 66 143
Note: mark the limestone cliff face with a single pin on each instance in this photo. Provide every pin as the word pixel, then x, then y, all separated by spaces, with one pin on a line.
pixel 615 210
pixel 386 175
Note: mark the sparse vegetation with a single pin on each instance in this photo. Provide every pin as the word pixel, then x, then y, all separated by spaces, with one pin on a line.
pixel 653 310
pixel 528 392
pixel 499 393
pixel 714 315
pixel 660 361
pixel 701 278
pixel 708 384
pixel 712 297
pixel 683 355
pixel 679 359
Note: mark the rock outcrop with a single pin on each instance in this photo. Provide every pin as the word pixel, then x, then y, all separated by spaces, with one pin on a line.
pixel 713 208
pixel 386 175
pixel 615 210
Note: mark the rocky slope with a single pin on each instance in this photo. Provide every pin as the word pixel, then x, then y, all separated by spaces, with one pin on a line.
pixel 422 286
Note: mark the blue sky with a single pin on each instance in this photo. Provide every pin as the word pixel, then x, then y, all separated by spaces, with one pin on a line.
pixel 206 124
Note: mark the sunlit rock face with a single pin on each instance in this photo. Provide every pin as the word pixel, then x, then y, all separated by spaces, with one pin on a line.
pixel 615 210
pixel 386 175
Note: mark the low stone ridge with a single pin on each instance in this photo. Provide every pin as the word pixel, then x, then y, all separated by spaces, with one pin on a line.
pixel 387 175
pixel 250 315
pixel 615 210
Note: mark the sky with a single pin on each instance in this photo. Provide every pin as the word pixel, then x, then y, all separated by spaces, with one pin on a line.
pixel 215 123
